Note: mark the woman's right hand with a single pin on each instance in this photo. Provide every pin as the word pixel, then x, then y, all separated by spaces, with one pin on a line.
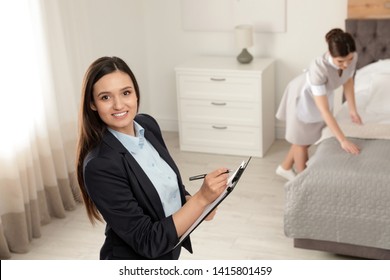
pixel 214 184
pixel 350 147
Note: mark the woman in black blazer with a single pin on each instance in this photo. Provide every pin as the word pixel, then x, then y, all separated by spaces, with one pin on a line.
pixel 125 173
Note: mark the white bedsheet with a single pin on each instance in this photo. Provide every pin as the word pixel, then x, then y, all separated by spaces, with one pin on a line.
pixel 375 126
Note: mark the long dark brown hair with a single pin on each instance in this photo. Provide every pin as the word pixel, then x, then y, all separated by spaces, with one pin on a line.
pixel 91 127
pixel 340 43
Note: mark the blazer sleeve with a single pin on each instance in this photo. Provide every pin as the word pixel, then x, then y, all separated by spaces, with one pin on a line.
pixel 108 186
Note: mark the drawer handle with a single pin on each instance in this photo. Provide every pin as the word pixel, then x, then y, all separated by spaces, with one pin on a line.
pixel 218 79
pixel 219 127
pixel 218 103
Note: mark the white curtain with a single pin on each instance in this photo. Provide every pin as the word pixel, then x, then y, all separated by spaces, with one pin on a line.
pixel 38 116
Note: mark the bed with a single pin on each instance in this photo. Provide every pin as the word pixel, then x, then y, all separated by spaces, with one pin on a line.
pixel 341 202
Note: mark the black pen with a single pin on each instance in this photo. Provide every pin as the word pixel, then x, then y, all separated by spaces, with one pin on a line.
pixel 201 176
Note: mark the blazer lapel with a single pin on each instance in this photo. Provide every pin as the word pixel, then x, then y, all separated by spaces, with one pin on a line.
pixel 136 175
pixel 164 154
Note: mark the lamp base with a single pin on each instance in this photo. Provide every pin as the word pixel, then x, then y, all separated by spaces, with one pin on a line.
pixel 244 57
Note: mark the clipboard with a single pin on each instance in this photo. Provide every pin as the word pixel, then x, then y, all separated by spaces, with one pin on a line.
pixel 232 182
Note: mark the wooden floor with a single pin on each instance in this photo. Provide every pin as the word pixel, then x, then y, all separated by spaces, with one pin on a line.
pixel 248 225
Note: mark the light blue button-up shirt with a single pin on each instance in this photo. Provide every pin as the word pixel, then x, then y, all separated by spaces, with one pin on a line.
pixel 159 172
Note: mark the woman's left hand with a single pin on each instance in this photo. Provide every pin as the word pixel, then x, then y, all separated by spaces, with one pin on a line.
pixel 355 117
pixel 211 215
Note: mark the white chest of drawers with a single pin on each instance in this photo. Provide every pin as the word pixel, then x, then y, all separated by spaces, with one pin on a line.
pixel 226 107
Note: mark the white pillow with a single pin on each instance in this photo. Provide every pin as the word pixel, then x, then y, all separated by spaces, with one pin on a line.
pixel 379 102
pixel 363 75
pixel 379 66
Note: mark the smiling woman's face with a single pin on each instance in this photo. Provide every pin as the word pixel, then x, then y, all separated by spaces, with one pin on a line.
pixel 115 100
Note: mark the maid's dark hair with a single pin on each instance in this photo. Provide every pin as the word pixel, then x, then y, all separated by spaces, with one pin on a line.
pixel 340 43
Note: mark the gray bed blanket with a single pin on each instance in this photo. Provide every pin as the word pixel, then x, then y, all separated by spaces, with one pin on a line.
pixel 342 197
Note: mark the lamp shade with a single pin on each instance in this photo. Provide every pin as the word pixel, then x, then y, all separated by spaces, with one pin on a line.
pixel 244 36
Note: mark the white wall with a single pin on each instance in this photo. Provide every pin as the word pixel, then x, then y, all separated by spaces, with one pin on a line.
pixel 95 28
pixel 149 36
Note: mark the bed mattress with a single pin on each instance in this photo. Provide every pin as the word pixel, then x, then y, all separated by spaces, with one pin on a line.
pixel 342 197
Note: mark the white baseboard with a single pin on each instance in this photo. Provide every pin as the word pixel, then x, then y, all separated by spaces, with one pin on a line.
pixel 280 130
pixel 280 133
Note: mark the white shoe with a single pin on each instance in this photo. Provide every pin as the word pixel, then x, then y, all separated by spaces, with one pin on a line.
pixel 286 174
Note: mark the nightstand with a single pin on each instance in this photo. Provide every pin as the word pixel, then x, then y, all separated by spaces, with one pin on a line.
pixel 226 107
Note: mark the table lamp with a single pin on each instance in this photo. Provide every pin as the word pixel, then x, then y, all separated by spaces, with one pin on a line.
pixel 244 40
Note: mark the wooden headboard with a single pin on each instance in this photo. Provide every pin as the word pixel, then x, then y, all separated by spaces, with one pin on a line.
pixel 368 9
pixel 372 37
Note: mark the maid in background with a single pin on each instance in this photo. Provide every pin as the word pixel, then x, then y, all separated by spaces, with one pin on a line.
pixel 307 103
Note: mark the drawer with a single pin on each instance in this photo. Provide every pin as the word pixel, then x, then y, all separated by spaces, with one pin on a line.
pixel 219 87
pixel 236 140
pixel 220 112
